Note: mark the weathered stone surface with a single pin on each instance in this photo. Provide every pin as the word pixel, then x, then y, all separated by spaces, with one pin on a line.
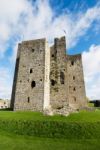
pixel 47 79
pixel 76 88
pixel 28 91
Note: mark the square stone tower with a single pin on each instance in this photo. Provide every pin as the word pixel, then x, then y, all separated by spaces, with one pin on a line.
pixel 46 78
pixel 31 74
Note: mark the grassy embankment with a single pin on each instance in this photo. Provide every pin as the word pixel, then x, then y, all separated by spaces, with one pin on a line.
pixel 33 131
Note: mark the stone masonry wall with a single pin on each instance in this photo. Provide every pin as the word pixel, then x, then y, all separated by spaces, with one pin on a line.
pixel 29 94
pixel 58 86
pixel 76 86
pixel 46 78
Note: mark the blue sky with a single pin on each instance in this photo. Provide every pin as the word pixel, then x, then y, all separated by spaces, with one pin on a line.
pixel 26 19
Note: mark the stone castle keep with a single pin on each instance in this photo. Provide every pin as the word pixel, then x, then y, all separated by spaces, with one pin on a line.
pixel 47 79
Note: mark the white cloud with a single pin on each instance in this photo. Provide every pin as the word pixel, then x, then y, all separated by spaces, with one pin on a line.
pixel 47 25
pixel 40 21
pixel 92 60
pixel 91 64
pixel 10 14
pixel 22 20
pixel 5 83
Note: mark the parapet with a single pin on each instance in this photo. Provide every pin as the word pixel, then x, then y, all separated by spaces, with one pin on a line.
pixel 34 41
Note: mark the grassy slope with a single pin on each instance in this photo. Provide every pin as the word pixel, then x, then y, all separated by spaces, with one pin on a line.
pixel 11 141
pixel 19 142
pixel 83 116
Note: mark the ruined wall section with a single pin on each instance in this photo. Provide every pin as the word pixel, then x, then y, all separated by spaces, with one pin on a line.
pixel 76 87
pixel 29 94
pixel 58 70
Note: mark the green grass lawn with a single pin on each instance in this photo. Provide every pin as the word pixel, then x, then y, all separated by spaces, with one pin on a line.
pixel 17 131
pixel 9 141
pixel 83 116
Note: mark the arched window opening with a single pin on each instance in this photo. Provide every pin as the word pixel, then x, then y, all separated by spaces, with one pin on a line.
pixel 53 82
pixel 33 84
pixel 62 77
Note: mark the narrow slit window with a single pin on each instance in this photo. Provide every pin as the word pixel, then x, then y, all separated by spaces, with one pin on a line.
pixel 62 77
pixel 72 63
pixel 28 100
pixel 31 70
pixel 74 99
pixel 73 77
pixel 74 89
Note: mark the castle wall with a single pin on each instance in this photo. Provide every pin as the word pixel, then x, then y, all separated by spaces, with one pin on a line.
pixel 76 87
pixel 58 70
pixel 46 76
pixel 29 94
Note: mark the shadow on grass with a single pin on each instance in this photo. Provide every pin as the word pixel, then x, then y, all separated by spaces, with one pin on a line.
pixel 6 109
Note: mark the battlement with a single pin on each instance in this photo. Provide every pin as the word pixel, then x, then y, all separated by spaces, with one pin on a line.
pixel 34 41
